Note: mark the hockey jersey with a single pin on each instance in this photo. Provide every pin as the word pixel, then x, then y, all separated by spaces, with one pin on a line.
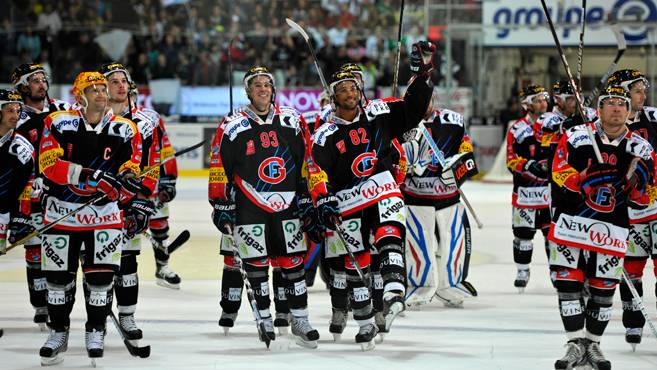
pixel 645 125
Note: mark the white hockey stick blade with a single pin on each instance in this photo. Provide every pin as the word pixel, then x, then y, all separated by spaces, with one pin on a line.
pixel 298 28
pixel 620 37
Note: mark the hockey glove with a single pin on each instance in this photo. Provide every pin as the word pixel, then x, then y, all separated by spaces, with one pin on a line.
pixel 130 186
pixel 638 175
pixel 223 216
pixel 535 170
pixel 309 217
pixel 422 57
pixel 459 168
pixel 19 227
pixel 137 216
pixel 166 188
pixel 329 215
pixel 101 181
pixel 596 176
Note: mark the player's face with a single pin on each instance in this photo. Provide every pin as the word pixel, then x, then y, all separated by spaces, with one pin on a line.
pixel 260 92
pixel 539 105
pixel 613 113
pixel 96 97
pixel 347 95
pixel 10 114
pixel 570 106
pixel 638 95
pixel 118 87
pixel 38 86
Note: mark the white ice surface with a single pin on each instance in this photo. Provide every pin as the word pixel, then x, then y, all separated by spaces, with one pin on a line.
pixel 500 329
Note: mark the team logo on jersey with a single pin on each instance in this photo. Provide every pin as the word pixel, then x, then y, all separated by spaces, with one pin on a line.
pixel 603 199
pixel 272 170
pixel 364 164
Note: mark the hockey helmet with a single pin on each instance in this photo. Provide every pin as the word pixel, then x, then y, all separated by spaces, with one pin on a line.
pixel 562 89
pixel 132 88
pixel 86 79
pixel 528 94
pixel 109 68
pixel 10 97
pixel 626 77
pixel 258 71
pixel 353 68
pixel 341 76
pixel 614 91
pixel 21 73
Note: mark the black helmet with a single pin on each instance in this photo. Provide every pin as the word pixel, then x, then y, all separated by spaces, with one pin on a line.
pixel 561 88
pixel 341 76
pixel 109 68
pixel 353 68
pixel 9 97
pixel 21 73
pixel 614 91
pixel 626 77
pixel 530 92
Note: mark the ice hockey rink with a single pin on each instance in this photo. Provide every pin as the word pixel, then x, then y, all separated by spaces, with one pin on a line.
pixel 500 329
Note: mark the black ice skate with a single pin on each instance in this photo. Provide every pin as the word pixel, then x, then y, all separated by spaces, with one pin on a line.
pixel 393 305
pixel 338 323
pixel 366 335
pixel 595 356
pixel 305 335
pixel 227 321
pixel 282 322
pixel 633 337
pixel 575 355
pixel 380 321
pixel 95 340
pixel 130 329
pixel 521 280
pixel 166 277
pixel 41 317
pixel 56 344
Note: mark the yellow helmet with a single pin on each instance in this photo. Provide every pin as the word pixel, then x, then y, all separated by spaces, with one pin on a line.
pixel 86 79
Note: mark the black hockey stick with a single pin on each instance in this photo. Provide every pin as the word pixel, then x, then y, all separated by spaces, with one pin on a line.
pixel 136 351
pixel 305 36
pixel 178 242
pixel 260 324
pixel 397 59
pixel 580 52
pixel 230 75
pixel 96 199
pixel 622 45
pixel 359 270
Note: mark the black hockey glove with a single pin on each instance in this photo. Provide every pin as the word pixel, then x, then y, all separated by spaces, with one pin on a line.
pixel 422 57
pixel 101 181
pixel 166 188
pixel 137 216
pixel 223 216
pixel 535 170
pixel 19 227
pixel 597 175
pixel 638 175
pixel 130 186
pixel 327 208
pixel 309 217
pixel 459 168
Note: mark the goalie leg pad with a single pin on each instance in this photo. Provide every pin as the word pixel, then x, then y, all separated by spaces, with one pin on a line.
pixel 421 249
pixel 454 251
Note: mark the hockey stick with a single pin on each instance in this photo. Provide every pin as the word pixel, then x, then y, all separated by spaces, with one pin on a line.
pixel 230 75
pixel 622 45
pixel 305 36
pixel 438 155
pixel 580 52
pixel 639 302
pixel 260 324
pixel 96 199
pixel 359 270
pixel 136 351
pixel 397 59
pixel 181 239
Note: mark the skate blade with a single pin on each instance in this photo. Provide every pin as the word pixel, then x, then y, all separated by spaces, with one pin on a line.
pixel 43 326
pixel 336 337
pixel 281 344
pixel 633 347
pixel 226 329
pixel 282 330
pixel 93 362
pixel 521 290
pixel 166 284
pixel 311 344
pixel 393 312
pixel 367 346
pixel 380 337
pixel 50 361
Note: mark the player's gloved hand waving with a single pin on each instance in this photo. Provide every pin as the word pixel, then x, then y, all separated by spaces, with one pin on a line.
pixel 421 57
pixel 166 188
pixel 223 216
pixel 137 216
pixel 19 227
pixel 104 182
pixel 329 214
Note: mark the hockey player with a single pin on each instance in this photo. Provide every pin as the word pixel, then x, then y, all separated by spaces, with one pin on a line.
pixel 643 222
pixel 526 160
pixel 438 221
pixel 87 153
pixel 136 217
pixel 16 169
pixel 356 193
pixel 31 81
pixel 590 226
pixel 256 189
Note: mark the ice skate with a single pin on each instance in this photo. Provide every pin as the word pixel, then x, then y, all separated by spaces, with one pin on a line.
pixel 227 321
pixel 338 323
pixel 167 277
pixel 56 344
pixel 41 317
pixel 380 321
pixel 129 327
pixel 575 355
pixel 633 337
pixel 282 322
pixel 366 335
pixel 595 356
pixel 95 341
pixel 269 329
pixel 521 280
pixel 305 335
pixel 393 304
